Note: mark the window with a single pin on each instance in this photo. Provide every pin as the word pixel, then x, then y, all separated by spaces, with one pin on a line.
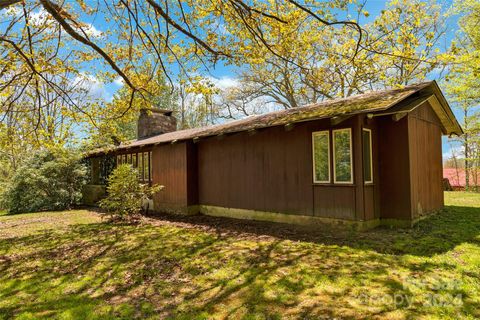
pixel 145 167
pixel 321 156
pixel 342 156
pixel 140 161
pixel 367 156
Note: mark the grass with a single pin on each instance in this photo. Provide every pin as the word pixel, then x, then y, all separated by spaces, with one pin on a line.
pixel 72 265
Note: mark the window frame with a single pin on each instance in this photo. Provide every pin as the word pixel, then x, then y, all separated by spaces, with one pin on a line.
pixel 315 133
pixel 371 155
pixel 349 130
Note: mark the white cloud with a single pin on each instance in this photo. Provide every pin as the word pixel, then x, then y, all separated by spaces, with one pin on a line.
pixel 224 82
pixel 92 87
pixel 119 82
pixel 219 27
pixel 92 31
pixel 40 17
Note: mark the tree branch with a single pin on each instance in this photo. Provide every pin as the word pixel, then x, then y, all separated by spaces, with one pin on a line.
pixel 56 12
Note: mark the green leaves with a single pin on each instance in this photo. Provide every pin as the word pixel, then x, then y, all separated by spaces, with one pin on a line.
pixel 46 181
pixel 125 193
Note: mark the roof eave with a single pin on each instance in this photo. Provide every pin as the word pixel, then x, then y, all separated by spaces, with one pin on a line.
pixel 454 127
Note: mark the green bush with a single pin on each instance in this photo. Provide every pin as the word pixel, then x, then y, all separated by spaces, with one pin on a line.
pixel 125 194
pixel 46 181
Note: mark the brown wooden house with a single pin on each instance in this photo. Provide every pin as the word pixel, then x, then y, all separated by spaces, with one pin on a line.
pixel 366 160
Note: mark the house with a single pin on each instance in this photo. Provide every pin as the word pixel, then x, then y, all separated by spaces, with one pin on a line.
pixel 457 178
pixel 365 160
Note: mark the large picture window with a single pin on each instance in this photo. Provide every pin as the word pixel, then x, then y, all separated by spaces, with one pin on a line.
pixel 342 156
pixel 321 156
pixel 367 156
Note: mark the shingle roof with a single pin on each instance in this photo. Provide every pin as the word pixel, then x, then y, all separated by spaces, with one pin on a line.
pixel 374 101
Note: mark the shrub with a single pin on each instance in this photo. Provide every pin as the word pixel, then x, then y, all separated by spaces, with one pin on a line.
pixel 125 194
pixel 46 181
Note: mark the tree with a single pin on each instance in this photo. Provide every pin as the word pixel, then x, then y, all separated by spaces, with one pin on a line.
pixel 117 120
pixel 26 128
pixel 408 36
pixel 186 33
pixel 196 103
pixel 463 83
pixel 47 180
pixel 401 47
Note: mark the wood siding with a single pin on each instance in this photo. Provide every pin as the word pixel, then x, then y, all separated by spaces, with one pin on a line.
pixel 335 202
pixel 426 172
pixel 372 190
pixel 410 164
pixel 394 167
pixel 271 170
pixel 170 170
pixel 268 171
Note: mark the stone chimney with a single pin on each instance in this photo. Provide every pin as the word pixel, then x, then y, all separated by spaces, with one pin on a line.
pixel 152 122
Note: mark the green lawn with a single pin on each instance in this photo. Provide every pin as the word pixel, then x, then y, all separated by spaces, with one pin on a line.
pixel 72 265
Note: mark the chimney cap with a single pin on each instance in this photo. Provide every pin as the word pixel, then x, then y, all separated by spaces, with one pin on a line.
pixel 156 110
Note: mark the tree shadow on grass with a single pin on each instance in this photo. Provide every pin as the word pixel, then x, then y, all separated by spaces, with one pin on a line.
pixel 88 263
pixel 204 267
pixel 434 235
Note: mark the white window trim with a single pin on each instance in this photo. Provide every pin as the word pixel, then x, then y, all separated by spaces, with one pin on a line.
pixel 313 155
pixel 351 157
pixel 371 155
